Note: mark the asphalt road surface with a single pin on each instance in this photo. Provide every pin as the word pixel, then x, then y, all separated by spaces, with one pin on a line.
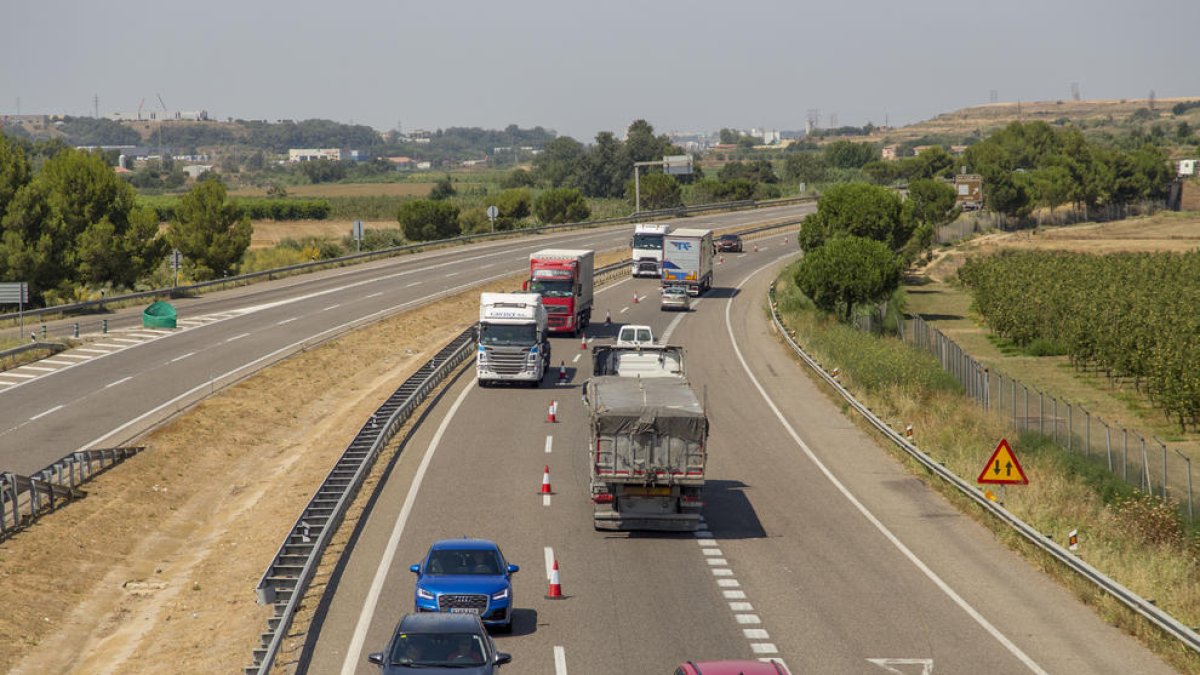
pixel 819 549
pixel 113 393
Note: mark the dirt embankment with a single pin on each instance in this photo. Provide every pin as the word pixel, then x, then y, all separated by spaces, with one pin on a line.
pixel 155 570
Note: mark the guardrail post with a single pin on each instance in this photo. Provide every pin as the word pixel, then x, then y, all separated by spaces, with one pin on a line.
pixel 75 329
pixel 43 332
pixel 104 325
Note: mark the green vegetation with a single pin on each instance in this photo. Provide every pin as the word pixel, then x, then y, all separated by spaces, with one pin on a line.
pixel 210 232
pixel 849 271
pixel 1130 315
pixel 271 208
pixel 72 224
pixel 1134 538
pixel 1026 165
pixel 428 219
pixel 857 209
pixel 606 168
pixel 561 205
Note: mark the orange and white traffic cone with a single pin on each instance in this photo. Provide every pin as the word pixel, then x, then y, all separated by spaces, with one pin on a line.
pixel 562 372
pixel 756 248
pixel 546 481
pixel 552 413
pixel 721 260
pixel 636 299
pixel 583 340
pixel 554 592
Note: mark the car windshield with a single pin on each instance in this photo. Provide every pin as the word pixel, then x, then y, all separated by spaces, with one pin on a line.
pixel 455 650
pixel 552 289
pixel 647 241
pixel 675 290
pixel 504 335
pixel 729 237
pixel 465 561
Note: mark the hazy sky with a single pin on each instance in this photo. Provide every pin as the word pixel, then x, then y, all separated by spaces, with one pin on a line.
pixel 584 67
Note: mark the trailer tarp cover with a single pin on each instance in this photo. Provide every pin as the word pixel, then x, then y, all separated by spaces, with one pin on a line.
pixel 630 405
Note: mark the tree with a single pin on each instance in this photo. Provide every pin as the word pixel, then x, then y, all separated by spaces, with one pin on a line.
pixel 729 136
pixel 559 161
pixel 929 201
pixel 14 172
pixel 561 205
pixel 323 170
pixel 604 168
pixel 848 271
pixel 210 232
pixel 659 191
pixel 75 223
pixel 804 167
pixel 514 206
pixel 857 209
pixel 1052 186
pixel 443 189
pixel 518 178
pixel 758 171
pixel 426 220
pixel 849 155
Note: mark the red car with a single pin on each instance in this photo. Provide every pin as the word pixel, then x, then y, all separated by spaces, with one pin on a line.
pixel 731 668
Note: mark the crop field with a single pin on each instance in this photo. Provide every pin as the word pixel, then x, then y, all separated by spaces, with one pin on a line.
pixel 328 190
pixel 946 305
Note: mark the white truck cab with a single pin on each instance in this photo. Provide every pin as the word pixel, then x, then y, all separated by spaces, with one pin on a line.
pixel 513 345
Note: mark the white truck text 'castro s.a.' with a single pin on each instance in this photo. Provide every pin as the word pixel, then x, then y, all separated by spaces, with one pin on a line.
pixel 648 440
pixel 513 346
pixel 647 249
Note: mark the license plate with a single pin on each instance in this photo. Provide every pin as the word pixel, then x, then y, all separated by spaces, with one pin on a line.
pixel 637 491
pixel 463 610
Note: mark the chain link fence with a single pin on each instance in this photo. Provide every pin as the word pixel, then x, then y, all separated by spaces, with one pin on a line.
pixel 1146 463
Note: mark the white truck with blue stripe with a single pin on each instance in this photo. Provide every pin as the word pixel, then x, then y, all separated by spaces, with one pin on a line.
pixel 688 260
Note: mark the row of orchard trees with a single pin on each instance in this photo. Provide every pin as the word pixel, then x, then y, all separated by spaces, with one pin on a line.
pixel 72 225
pixel 1133 315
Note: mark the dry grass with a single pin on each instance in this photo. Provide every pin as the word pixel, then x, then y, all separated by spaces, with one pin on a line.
pixel 1068 493
pixel 269 233
pixel 947 307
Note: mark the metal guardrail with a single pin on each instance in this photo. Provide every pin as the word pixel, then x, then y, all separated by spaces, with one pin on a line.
pixel 80 307
pixel 285 580
pixel 23 499
pixel 1131 600
pixel 54 347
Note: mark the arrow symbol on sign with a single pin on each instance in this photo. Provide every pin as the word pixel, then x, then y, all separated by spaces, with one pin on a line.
pixel 1007 468
pixel 996 469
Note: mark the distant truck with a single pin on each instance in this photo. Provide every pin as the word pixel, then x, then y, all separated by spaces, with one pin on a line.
pixel 564 279
pixel 513 346
pixel 648 436
pixel 688 260
pixel 647 249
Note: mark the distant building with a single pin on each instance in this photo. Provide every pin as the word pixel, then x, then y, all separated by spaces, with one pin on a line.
pixel 474 162
pixel 424 166
pixel 313 154
pixel 1186 167
pixel 968 190
pixel 957 150
pixel 889 152
pixel 194 171
pixel 400 162
pixel 922 148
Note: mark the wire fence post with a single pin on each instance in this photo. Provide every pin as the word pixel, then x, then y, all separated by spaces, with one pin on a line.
pixel 1146 485
pixel 1041 413
pixel 1125 454
pixel 1108 446
pixel 1164 468
pixel 1087 431
pixel 1056 420
pixel 1070 444
pixel 1012 399
pixel 1026 405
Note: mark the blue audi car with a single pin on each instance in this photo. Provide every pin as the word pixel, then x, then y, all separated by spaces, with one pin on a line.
pixel 468 576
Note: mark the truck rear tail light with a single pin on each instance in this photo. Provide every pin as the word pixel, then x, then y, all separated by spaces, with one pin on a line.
pixel 692 499
pixel 602 499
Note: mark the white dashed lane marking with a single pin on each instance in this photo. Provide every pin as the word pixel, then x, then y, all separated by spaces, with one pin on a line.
pixel 287 321
pixel 120 381
pixel 182 357
pixel 47 412
pixel 549 444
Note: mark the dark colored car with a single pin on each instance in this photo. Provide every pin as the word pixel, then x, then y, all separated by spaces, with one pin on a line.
pixel 729 243
pixel 466 576
pixel 423 644
pixel 731 668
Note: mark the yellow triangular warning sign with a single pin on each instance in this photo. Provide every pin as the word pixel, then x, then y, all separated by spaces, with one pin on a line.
pixel 1003 467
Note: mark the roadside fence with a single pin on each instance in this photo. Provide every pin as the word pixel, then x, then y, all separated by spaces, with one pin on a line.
pixel 1146 463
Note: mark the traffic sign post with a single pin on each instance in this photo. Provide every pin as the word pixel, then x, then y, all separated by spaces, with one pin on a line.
pixel 358 235
pixel 176 262
pixel 492 214
pixel 1002 469
pixel 16 293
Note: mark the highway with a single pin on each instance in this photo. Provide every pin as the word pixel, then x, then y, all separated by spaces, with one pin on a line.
pixel 112 394
pixel 820 550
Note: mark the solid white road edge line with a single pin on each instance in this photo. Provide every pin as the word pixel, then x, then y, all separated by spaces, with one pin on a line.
pixel 354 653
pixel 895 541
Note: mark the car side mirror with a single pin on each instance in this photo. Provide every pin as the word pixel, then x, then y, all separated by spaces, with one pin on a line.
pixel 415 569
pixel 376 658
pixel 513 569
pixel 502 658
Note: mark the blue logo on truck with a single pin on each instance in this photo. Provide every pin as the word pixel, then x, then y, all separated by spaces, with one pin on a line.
pixel 682 245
